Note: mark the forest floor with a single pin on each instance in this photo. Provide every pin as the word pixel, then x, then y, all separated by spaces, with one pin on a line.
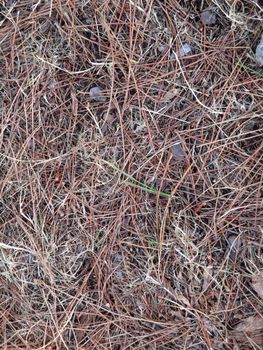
pixel 131 175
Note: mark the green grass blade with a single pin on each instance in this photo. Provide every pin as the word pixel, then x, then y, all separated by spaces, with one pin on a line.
pixel 134 182
pixel 260 74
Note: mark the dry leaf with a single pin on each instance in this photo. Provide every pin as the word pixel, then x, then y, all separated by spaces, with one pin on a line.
pixel 169 95
pixel 257 283
pixel 249 330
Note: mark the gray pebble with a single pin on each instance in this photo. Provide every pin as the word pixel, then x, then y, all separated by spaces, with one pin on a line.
pixel 185 50
pixel 178 151
pixel 259 52
pixel 208 17
pixel 96 94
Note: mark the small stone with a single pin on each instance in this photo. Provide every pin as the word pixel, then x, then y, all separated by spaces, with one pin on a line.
pixel 208 17
pixel 178 151
pixel 96 94
pixel 259 52
pixel 117 259
pixel 161 48
pixel 185 50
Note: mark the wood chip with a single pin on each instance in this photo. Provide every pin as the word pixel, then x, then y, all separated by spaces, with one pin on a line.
pixel 74 103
